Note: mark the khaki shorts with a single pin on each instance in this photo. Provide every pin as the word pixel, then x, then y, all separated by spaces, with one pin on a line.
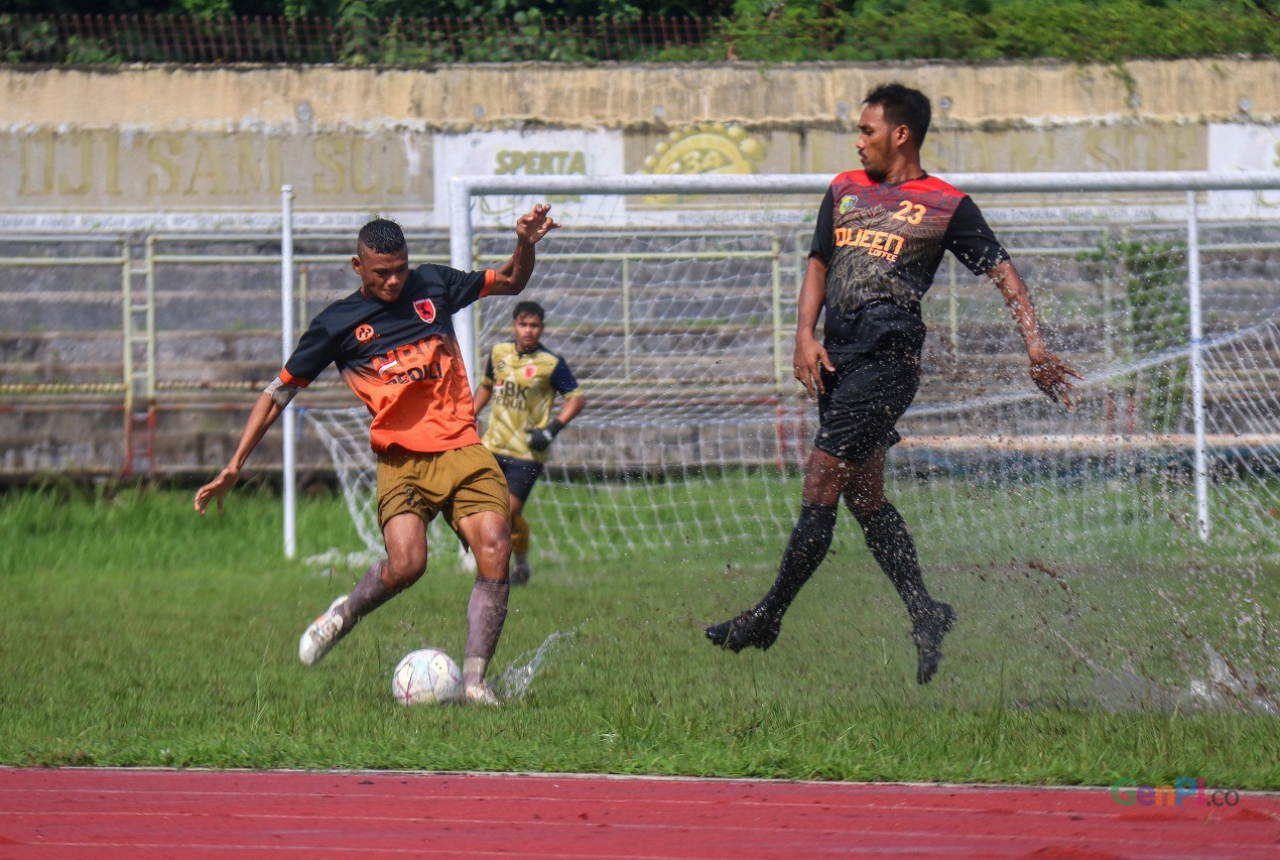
pixel 457 483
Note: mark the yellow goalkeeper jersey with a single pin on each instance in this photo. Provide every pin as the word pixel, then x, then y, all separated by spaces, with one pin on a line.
pixel 524 388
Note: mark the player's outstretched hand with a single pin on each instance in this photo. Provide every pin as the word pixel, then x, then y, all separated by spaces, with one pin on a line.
pixel 217 488
pixel 1050 375
pixel 535 224
pixel 810 358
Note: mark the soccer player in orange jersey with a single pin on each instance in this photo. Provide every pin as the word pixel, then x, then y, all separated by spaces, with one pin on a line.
pixel 394 344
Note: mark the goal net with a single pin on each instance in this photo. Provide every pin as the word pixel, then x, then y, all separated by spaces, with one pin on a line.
pixel 674 301
pixel 1130 543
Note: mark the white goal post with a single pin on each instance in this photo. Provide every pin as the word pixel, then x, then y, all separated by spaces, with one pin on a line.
pixel 1096 243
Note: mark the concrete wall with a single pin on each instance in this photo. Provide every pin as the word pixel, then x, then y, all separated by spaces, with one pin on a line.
pixel 124 151
pixel 221 140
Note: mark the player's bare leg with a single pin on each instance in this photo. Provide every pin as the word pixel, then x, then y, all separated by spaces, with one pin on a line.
pixel 489 535
pixel 520 571
pixel 405 536
pixel 894 550
pixel 824 477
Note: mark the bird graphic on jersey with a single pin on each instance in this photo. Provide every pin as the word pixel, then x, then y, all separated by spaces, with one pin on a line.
pixel 524 386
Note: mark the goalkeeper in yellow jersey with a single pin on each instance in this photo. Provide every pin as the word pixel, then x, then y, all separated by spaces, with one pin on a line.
pixel 522 379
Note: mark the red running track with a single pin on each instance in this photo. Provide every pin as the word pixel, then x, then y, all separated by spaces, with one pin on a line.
pixel 97 813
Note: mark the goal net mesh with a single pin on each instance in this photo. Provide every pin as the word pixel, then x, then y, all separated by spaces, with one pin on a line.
pixel 1090 535
pixel 677 315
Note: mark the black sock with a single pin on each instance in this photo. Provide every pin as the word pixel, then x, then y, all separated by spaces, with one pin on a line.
pixel 892 546
pixel 810 540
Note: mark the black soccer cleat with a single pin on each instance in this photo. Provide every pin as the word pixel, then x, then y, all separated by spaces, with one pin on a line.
pixel 928 638
pixel 752 628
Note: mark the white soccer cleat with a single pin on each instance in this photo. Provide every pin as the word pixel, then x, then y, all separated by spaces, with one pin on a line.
pixel 323 634
pixel 480 693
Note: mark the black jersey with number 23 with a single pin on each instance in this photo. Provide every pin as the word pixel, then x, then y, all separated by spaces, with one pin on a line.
pixel 882 245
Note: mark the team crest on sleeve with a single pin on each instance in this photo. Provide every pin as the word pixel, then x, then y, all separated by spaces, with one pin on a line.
pixel 426 309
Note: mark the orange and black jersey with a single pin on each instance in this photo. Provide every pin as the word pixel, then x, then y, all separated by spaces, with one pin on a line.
pixel 883 243
pixel 401 358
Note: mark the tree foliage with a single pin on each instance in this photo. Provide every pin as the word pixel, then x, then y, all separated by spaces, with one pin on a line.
pixel 1098 30
pixel 379 8
pixel 390 31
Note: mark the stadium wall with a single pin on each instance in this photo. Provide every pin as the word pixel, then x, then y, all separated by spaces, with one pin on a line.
pixel 207 140
pixel 127 151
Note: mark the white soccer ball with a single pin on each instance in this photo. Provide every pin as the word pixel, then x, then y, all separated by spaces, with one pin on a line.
pixel 427 677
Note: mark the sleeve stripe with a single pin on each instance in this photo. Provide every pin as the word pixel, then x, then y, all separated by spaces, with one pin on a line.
pixel 289 379
pixel 489 277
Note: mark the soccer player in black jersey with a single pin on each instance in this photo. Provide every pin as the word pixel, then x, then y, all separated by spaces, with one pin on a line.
pixel 880 235
pixel 394 344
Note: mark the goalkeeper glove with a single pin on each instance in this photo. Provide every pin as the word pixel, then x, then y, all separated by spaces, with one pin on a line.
pixel 540 438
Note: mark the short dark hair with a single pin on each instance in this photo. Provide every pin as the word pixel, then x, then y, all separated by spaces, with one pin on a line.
pixel 903 106
pixel 532 309
pixel 382 236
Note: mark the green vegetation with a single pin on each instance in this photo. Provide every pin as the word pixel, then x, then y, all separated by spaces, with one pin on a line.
pixel 412 32
pixel 1153 277
pixel 136 633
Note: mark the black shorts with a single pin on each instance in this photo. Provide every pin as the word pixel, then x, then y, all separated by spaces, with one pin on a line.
pixel 864 398
pixel 521 475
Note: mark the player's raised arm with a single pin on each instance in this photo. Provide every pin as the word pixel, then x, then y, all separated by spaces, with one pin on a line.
pixel 511 279
pixel 1047 370
pixel 264 413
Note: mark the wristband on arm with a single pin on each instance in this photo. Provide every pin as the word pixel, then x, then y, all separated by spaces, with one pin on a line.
pixel 281 392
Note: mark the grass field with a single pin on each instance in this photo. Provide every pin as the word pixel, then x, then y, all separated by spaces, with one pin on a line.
pixel 137 633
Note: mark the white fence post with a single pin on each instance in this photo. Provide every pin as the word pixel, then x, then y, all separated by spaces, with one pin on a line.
pixel 1197 366
pixel 460 236
pixel 289 468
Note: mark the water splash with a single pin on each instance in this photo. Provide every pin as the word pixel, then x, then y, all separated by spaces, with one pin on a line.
pixel 518 677
pixel 1212 670
pixel 1228 686
pixel 1224 687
